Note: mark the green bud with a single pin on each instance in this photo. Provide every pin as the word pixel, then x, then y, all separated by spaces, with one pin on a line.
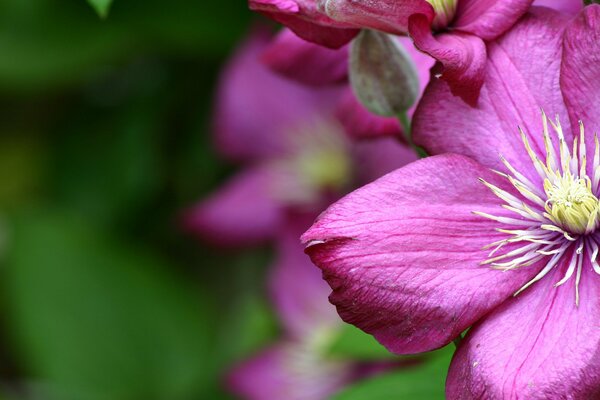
pixel 382 74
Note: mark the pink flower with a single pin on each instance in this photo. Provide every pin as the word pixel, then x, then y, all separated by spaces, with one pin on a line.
pixel 452 31
pixel 296 153
pixel 447 243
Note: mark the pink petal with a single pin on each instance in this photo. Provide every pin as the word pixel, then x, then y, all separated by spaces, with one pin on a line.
pixel 489 19
pixel 261 378
pixel 288 371
pixel 580 75
pixel 539 345
pixel 378 157
pixel 241 212
pixel 389 16
pixel 403 254
pixel 302 17
pixel 360 123
pixel 463 57
pixel 568 6
pixel 522 78
pixel 298 290
pixel 306 62
pixel 257 110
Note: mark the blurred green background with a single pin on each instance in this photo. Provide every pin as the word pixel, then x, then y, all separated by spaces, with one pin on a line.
pixel 104 139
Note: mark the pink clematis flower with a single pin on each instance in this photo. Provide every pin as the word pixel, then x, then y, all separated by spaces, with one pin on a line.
pixel 452 31
pixel 501 236
pixel 295 151
pixel 299 366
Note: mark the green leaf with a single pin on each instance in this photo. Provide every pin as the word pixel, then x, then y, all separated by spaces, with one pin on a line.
pixel 424 381
pixel 101 6
pixel 354 344
pixel 93 319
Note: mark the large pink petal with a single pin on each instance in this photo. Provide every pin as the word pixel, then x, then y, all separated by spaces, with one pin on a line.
pixel 302 17
pixel 306 62
pixel 539 345
pixel 568 6
pixel 522 78
pixel 488 19
pixel 257 110
pixel 298 290
pixel 463 57
pixel 580 75
pixel 384 15
pixel 241 212
pixel 403 254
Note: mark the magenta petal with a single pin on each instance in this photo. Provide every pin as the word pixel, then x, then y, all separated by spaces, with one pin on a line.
pixel 580 75
pixel 403 254
pixel 290 371
pixel 539 345
pixel 306 62
pixel 522 78
pixel 463 57
pixel 257 110
pixel 378 157
pixel 302 17
pixel 262 377
pixel 296 285
pixel 488 19
pixel 389 16
pixel 360 123
pixel 241 212
pixel 568 6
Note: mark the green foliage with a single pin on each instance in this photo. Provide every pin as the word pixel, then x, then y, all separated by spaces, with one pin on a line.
pixel 100 320
pixel 354 344
pixel 49 46
pixel 101 6
pixel 423 381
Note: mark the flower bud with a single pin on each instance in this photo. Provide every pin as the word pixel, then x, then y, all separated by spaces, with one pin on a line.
pixel 444 13
pixel 382 74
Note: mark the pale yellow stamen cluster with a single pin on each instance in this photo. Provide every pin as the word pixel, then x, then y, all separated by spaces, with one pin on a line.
pixel 445 10
pixel 556 222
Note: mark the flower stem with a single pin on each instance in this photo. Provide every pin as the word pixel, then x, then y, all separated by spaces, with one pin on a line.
pixel 406 128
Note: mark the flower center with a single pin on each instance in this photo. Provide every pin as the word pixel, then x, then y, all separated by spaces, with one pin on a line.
pixel 557 225
pixel 318 162
pixel 572 205
pixel 444 13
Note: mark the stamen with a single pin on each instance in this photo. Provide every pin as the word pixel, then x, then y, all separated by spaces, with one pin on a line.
pixel 557 221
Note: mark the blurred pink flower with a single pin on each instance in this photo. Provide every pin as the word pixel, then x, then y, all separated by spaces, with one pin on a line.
pixel 452 31
pixel 506 245
pixel 296 153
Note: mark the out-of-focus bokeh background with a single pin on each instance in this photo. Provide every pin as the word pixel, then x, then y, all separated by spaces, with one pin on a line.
pixel 105 140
